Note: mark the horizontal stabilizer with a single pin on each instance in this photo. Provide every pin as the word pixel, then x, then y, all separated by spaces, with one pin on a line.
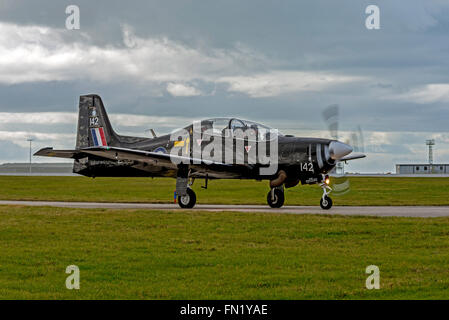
pixel 69 154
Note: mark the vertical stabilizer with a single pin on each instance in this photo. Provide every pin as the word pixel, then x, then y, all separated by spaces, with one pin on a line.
pixel 94 127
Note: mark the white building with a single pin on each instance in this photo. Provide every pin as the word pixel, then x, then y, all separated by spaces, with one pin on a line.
pixel 422 168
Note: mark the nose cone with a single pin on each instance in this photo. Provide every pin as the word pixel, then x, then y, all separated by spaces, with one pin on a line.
pixel 339 149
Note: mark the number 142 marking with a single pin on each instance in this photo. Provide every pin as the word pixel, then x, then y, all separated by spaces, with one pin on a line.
pixel 306 166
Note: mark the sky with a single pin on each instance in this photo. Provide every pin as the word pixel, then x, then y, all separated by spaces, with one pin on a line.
pixel 162 64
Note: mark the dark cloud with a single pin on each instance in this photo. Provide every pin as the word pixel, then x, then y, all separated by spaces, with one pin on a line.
pixel 408 53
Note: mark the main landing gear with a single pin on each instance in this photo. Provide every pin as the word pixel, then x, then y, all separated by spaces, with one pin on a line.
pixel 325 201
pixel 275 197
pixel 188 200
pixel 186 196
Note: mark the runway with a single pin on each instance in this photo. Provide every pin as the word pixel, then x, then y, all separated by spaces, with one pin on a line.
pixel 384 211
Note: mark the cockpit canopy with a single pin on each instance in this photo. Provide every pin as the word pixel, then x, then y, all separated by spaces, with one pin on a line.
pixel 226 126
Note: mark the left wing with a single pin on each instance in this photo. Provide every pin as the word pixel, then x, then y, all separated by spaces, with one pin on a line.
pixel 155 158
pixel 200 167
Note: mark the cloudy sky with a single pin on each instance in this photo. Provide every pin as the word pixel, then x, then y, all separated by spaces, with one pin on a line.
pixel 161 64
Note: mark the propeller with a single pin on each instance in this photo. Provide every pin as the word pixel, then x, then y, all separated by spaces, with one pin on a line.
pixel 351 148
pixel 330 116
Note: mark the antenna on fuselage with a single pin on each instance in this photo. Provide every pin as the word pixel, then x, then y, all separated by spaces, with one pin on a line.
pixel 152 132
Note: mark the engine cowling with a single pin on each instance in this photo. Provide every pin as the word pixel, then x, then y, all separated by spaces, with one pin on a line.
pixel 322 156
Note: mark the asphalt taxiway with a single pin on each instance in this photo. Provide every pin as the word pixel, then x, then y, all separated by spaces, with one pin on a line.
pixel 382 211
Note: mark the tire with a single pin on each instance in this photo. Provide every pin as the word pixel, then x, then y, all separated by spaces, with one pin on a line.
pixel 326 203
pixel 278 198
pixel 188 201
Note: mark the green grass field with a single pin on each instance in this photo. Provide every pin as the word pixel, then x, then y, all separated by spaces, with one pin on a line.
pixel 363 191
pixel 138 254
pixel 134 254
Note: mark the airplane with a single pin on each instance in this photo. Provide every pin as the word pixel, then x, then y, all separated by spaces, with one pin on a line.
pixel 219 148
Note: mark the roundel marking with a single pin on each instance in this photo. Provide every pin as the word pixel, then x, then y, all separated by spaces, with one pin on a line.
pixel 160 150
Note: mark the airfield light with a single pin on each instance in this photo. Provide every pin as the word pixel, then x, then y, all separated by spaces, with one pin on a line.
pixel 30 140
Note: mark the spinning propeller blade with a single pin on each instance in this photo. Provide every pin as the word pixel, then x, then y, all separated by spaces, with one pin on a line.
pixel 351 149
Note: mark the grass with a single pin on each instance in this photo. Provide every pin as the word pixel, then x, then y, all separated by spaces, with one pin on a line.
pixel 136 254
pixel 363 191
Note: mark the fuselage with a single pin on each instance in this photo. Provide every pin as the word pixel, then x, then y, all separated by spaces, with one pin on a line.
pixel 304 160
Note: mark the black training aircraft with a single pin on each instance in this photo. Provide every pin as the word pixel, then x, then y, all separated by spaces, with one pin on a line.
pixel 221 148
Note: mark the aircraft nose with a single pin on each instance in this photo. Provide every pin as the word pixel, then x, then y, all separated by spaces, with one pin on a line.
pixel 339 149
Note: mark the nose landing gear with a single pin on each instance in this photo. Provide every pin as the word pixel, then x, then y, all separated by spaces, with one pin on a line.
pixel 275 197
pixel 325 201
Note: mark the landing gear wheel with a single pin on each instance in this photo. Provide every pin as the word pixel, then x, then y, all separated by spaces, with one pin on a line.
pixel 278 198
pixel 326 203
pixel 189 200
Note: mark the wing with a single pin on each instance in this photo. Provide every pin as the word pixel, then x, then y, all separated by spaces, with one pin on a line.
pixel 116 153
pixel 200 167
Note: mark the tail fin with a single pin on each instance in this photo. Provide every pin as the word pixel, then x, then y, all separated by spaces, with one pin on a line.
pixel 94 130
pixel 94 127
